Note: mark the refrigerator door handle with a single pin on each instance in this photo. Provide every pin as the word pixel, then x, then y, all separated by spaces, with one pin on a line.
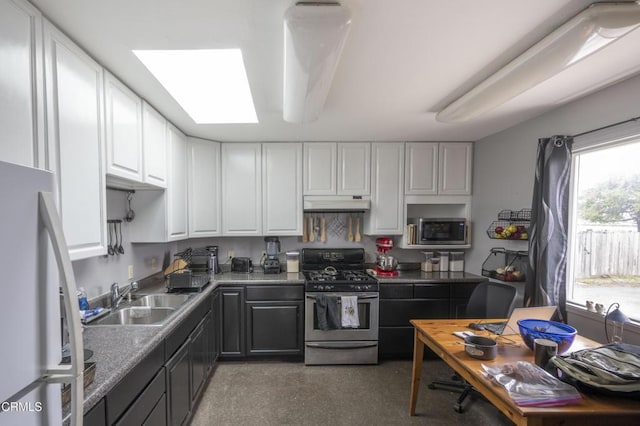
pixel 72 374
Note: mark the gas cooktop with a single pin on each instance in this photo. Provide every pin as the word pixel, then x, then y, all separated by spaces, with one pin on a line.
pixel 336 270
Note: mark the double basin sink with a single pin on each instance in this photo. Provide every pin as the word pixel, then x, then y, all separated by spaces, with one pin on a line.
pixel 151 309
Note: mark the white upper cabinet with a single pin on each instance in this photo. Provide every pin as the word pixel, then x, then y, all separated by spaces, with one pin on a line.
pixel 433 168
pixel 241 189
pixel 454 177
pixel 320 168
pixel 354 168
pixel 421 177
pixel 387 200
pixel 282 188
pixel 21 88
pixel 154 138
pixel 204 188
pixel 124 130
pixel 337 168
pixel 177 185
pixel 76 142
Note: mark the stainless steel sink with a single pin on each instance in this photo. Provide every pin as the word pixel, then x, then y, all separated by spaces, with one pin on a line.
pixel 160 300
pixel 137 315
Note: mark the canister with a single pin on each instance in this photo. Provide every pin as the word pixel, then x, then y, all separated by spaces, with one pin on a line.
pixel 456 261
pixel 293 261
pixel 426 265
pixel 444 261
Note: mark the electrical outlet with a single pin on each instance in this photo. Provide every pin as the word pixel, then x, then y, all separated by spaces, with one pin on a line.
pixel 130 272
pixel 264 254
pixel 230 254
pixel 154 263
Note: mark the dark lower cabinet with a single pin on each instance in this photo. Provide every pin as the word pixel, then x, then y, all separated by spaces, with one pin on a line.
pixel 199 359
pixel 274 328
pixel 179 385
pixel 97 415
pixel 145 403
pixel 401 302
pixel 158 416
pixel 232 330
pixel 262 320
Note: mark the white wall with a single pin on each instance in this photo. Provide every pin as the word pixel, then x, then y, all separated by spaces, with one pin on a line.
pixel 98 273
pixel 504 167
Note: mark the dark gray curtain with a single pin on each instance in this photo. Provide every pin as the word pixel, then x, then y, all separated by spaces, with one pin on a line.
pixel 546 278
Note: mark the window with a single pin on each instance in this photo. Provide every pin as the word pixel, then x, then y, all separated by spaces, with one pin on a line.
pixel 604 238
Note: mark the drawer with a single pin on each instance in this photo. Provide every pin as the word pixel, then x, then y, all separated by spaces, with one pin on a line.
pixel 462 290
pixel 399 312
pixel 431 291
pixel 145 403
pixel 275 292
pixel 396 291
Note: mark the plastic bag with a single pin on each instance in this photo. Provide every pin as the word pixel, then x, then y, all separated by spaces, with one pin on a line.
pixel 529 385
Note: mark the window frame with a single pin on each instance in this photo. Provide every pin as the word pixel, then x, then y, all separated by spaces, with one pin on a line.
pixel 609 137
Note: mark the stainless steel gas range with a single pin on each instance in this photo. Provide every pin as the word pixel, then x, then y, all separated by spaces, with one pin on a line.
pixel 341 308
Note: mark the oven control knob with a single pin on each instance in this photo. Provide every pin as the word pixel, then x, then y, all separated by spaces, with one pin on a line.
pixel 357 288
pixel 320 287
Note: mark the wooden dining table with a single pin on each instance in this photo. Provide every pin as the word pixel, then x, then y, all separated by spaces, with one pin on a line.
pixel 438 336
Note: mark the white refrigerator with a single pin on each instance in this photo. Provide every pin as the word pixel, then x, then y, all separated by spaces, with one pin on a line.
pixel 35 267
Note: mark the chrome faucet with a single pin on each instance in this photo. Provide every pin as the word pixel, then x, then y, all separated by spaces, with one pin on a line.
pixel 116 296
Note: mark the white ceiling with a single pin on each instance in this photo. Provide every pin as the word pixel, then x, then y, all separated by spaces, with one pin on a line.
pixel 403 60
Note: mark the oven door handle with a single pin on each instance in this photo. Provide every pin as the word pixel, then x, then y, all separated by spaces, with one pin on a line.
pixel 341 345
pixel 369 296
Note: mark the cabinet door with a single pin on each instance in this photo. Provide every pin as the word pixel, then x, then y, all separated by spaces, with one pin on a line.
pixel 241 189
pixel 124 130
pixel 214 334
pixel 198 360
pixel 354 168
pixel 275 328
pixel 387 201
pixel 421 173
pixel 154 138
pixel 455 168
pixel 282 188
pixel 320 168
pixel 204 188
pixel 177 185
pixel 21 88
pixel 76 142
pixel 232 322
pixel 178 386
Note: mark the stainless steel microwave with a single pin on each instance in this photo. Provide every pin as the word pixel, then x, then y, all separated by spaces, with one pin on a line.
pixel 439 231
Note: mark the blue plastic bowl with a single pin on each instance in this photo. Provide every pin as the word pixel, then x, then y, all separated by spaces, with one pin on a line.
pixel 562 334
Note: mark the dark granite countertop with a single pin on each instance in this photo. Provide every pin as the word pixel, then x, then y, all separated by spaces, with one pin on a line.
pixel 432 277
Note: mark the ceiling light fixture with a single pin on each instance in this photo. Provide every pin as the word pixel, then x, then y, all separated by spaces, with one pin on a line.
pixel 584 34
pixel 314 35
pixel 211 85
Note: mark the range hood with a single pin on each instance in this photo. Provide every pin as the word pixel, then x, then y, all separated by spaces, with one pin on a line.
pixel 336 203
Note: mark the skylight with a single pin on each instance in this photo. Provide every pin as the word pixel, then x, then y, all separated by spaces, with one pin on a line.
pixel 211 85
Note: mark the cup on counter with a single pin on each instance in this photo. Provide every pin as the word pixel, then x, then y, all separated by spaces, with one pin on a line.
pixel 543 350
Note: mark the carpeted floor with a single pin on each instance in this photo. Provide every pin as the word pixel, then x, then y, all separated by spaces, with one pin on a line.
pixel 279 393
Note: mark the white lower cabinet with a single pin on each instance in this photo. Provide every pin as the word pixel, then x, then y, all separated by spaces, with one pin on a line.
pixel 76 142
pixel 387 200
pixel 204 188
pixel 241 189
pixel 21 88
pixel 282 188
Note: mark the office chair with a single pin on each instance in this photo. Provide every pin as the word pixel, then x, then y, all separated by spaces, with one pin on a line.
pixel 488 300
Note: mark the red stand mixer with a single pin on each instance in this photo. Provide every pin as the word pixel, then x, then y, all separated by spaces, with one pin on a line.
pixel 385 264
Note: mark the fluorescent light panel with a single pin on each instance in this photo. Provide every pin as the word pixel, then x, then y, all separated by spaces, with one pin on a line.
pixel 586 33
pixel 211 85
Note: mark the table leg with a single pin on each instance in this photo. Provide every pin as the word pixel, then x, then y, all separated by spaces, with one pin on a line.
pixel 418 353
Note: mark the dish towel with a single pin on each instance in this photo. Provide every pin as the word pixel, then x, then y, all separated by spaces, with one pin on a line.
pixel 350 311
pixel 327 312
